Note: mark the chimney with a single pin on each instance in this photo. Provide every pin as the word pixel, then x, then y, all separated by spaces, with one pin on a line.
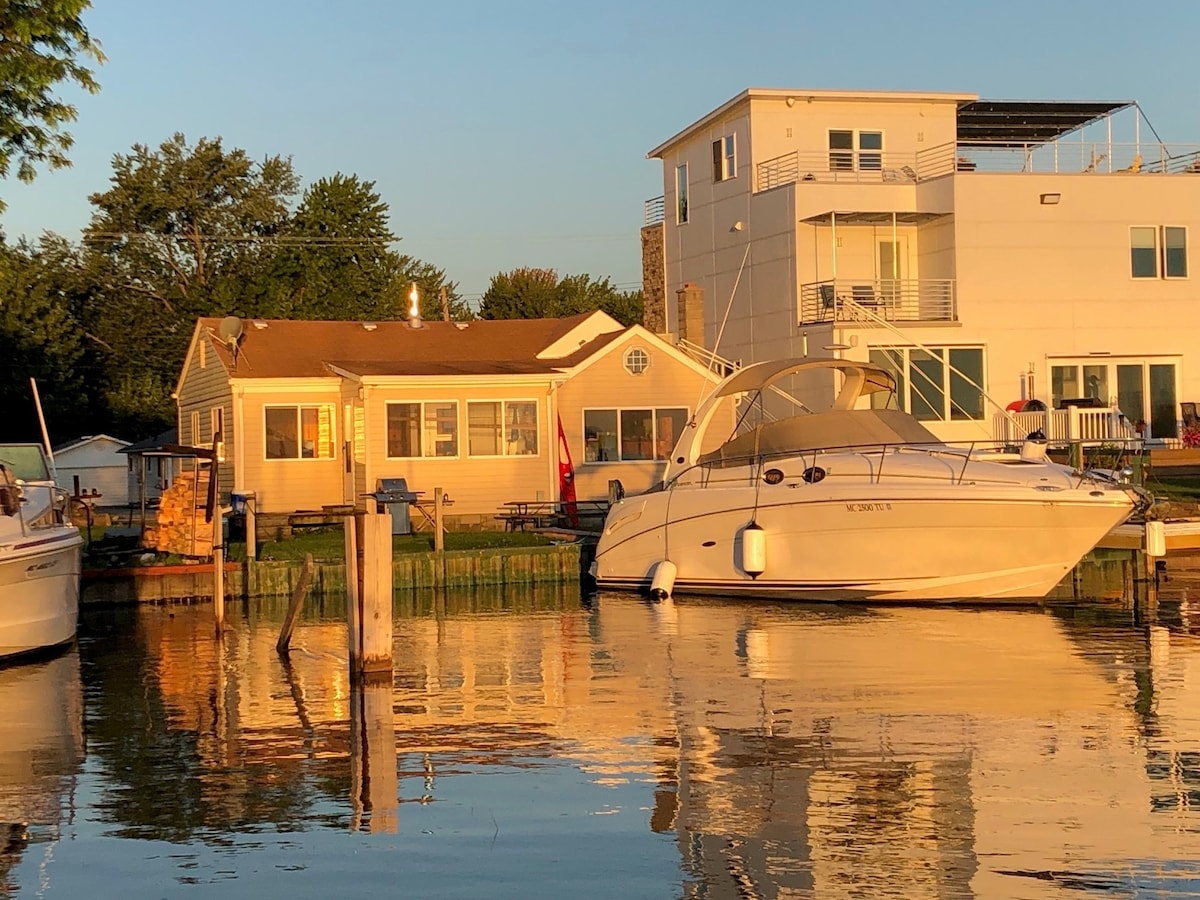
pixel 690 305
pixel 414 307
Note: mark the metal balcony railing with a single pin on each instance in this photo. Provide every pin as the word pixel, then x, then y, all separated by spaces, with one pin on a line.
pixel 839 166
pixel 655 211
pixel 1062 157
pixel 891 299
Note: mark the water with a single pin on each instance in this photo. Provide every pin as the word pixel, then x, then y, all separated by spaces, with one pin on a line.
pixel 536 744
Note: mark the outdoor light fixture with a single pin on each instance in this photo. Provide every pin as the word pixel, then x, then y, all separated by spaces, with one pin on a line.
pixel 1050 199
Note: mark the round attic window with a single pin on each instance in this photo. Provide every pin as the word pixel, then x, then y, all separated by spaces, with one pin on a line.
pixel 637 361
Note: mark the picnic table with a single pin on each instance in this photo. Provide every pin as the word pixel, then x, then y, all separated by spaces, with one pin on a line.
pixel 517 515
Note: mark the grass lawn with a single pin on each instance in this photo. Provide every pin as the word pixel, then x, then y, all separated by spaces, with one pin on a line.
pixel 329 543
pixel 1180 488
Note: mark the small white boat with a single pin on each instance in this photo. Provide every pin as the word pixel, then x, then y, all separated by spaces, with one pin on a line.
pixel 40 555
pixel 853 504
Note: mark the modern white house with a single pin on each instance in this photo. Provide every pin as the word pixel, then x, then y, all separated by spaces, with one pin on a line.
pixel 1040 248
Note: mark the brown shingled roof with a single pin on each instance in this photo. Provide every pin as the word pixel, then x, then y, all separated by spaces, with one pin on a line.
pixel 304 349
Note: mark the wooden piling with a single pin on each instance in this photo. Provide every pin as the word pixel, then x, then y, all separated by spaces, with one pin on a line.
pixel 439 533
pixel 218 545
pixel 295 604
pixel 373 778
pixel 251 529
pixel 375 601
pixel 353 589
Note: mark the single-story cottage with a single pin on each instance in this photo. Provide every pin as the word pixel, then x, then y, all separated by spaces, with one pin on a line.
pixel 314 414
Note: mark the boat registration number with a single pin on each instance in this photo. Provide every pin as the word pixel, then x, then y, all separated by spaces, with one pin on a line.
pixel 868 507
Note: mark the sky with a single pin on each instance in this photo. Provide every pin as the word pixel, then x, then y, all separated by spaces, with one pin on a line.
pixel 514 133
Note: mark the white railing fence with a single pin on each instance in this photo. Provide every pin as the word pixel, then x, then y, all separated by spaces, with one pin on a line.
pixel 1065 426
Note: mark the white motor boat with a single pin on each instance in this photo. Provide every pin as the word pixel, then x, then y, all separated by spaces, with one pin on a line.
pixel 853 504
pixel 40 555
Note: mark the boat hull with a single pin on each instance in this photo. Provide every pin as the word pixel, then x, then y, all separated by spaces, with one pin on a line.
pixel 39 591
pixel 901 544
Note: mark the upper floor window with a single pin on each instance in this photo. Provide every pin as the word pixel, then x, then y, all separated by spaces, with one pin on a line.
pixel 637 361
pixel 850 150
pixel 724 158
pixel 1153 250
pixel 1175 251
pixel 422 429
pixel 502 428
pixel 299 432
pixel 1143 251
pixel 681 194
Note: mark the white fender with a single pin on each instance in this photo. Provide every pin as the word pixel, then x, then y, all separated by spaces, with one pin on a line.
pixel 754 550
pixel 664 580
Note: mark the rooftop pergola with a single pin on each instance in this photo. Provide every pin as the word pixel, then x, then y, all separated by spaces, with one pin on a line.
pixel 1022 123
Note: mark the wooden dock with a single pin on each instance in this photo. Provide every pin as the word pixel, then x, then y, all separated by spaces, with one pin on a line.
pixel 1181 534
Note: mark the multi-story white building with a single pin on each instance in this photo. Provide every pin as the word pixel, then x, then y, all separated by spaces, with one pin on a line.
pixel 1040 248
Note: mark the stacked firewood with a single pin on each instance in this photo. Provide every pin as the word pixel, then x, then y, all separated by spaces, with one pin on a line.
pixel 181 527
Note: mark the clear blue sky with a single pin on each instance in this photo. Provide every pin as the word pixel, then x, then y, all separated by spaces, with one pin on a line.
pixel 508 133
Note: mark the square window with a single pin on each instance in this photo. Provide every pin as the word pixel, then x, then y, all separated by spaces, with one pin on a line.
pixel 1143 251
pixel 841 150
pixel 298 432
pixel 508 428
pixel 870 147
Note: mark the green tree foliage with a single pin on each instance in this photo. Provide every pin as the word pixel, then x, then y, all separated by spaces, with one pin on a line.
pixel 531 293
pixel 42 44
pixel 40 338
pixel 334 261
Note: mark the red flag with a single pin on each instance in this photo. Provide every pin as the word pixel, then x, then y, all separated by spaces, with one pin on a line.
pixel 566 479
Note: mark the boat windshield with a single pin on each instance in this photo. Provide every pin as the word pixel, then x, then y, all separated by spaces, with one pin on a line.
pixel 25 461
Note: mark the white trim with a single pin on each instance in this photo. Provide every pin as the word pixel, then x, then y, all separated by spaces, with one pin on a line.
pixel 638 332
pixel 285 384
pixel 458 431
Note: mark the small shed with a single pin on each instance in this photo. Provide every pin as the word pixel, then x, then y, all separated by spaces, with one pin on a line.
pixel 94 464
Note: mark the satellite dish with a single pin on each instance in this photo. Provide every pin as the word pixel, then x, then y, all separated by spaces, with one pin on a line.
pixel 230 330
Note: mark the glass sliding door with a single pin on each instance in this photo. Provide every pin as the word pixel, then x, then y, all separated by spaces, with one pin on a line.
pixel 1131 397
pixel 1163 405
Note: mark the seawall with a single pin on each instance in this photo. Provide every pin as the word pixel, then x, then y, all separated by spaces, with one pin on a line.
pixel 252 579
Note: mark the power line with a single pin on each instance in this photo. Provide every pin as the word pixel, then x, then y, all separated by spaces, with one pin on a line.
pixel 287 239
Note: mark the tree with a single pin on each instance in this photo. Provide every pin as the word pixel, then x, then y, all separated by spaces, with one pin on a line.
pixel 40 338
pixel 531 293
pixel 334 261
pixel 41 45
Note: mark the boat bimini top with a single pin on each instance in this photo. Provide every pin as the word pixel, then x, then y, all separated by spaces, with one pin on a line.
pixel 841 426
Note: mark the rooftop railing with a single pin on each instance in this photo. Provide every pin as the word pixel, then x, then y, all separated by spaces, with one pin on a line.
pixel 654 211
pixel 1062 157
pixel 837 166
pixel 891 299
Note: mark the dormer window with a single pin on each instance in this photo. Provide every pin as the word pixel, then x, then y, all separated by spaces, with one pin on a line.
pixel 851 150
pixel 724 158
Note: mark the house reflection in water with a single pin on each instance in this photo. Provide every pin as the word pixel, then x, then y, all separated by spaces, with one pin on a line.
pixel 792 751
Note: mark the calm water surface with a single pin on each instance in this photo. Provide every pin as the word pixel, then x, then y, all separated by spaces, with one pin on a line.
pixel 533 744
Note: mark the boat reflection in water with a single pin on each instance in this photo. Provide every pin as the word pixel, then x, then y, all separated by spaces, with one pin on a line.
pixel 695 748
pixel 41 751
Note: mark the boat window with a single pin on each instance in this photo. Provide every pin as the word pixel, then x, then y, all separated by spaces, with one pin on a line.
pixel 25 461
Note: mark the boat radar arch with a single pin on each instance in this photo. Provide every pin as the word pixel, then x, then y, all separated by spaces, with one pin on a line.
pixel 861 379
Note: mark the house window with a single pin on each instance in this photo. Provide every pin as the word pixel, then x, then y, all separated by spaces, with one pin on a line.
pixel 299 432
pixel 422 429
pixel 216 422
pixel 850 150
pixel 502 428
pixel 1143 251
pixel 724 158
pixel 681 195
pixel 613 435
pixel 1174 251
pixel 938 384
pixel 195 423
pixel 637 361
